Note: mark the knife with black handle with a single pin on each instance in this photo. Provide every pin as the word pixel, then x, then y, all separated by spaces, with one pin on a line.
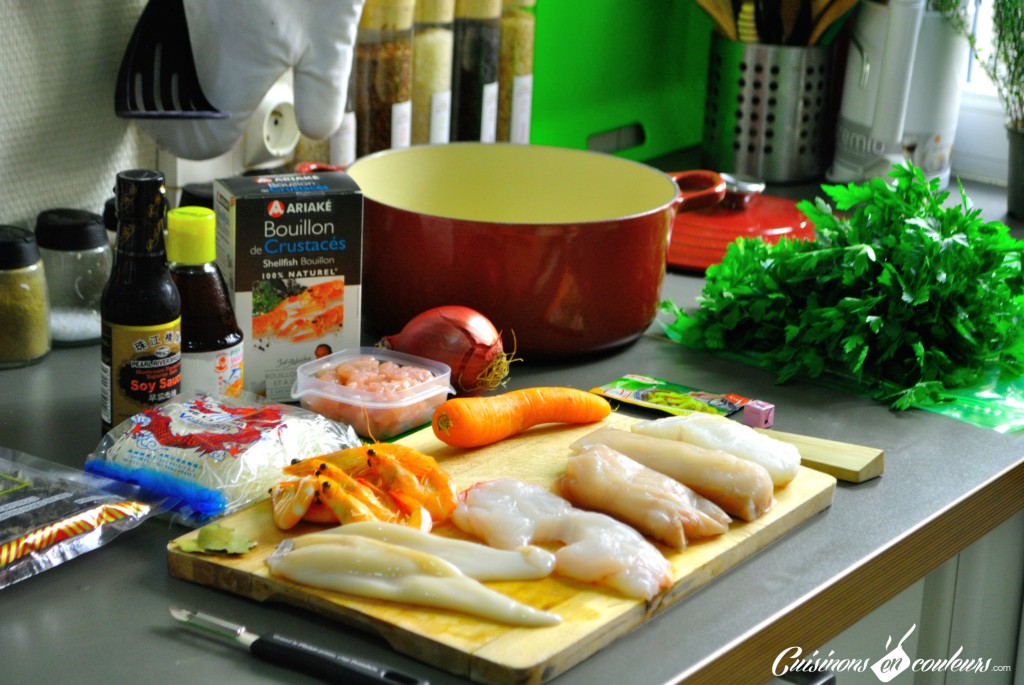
pixel 298 655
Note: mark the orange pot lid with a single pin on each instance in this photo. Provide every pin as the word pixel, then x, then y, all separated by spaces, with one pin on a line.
pixel 699 238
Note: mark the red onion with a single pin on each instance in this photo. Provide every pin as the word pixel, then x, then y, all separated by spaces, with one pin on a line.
pixel 460 337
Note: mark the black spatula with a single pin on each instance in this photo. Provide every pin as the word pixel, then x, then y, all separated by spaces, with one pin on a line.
pixel 157 78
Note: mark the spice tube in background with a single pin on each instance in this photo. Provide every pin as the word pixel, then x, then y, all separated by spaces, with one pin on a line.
pixel 432 44
pixel 383 74
pixel 211 340
pixel 24 310
pixel 140 344
pixel 515 70
pixel 77 255
pixel 475 70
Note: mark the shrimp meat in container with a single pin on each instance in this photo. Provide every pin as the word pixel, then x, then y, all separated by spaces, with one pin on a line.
pixel 378 392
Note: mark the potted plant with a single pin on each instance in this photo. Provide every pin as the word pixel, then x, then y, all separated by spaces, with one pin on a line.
pixel 1003 61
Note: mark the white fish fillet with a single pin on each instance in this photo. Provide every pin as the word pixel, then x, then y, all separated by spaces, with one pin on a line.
pixel 475 560
pixel 370 568
pixel 601 479
pixel 719 433
pixel 740 487
pixel 508 514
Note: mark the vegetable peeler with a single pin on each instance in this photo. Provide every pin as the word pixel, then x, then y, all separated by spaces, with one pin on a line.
pixel 295 654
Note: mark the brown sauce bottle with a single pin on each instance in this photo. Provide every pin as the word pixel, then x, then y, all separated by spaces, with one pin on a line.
pixel 140 344
pixel 212 344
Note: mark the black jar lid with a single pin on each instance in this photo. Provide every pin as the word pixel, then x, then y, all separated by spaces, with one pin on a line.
pixel 70 229
pixel 197 195
pixel 110 214
pixel 18 248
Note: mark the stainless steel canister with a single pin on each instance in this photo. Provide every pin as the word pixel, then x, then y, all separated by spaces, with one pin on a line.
pixel 767 111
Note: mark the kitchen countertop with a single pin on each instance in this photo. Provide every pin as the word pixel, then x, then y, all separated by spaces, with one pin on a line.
pixel 103 616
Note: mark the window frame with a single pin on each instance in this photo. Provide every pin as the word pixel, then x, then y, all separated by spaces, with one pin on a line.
pixel 980 147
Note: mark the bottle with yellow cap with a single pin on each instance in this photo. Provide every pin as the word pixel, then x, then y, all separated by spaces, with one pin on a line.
pixel 211 340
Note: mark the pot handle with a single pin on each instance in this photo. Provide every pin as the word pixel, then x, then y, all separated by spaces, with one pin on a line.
pixel 698 189
pixel 316 167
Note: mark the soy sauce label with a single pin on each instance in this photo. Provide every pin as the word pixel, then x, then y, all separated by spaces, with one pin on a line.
pixel 141 368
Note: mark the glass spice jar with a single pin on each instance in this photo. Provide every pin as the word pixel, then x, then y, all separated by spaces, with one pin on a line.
pixel 433 38
pixel 24 303
pixel 77 256
pixel 515 70
pixel 383 67
pixel 475 70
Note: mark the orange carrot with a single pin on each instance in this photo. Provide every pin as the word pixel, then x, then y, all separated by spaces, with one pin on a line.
pixel 478 421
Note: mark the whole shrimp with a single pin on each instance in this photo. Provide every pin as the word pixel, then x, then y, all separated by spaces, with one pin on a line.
pixel 411 476
pixel 376 481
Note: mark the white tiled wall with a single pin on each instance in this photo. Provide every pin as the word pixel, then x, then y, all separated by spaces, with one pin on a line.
pixel 60 143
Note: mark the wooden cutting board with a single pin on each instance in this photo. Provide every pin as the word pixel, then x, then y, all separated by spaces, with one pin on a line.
pixel 847 462
pixel 478 649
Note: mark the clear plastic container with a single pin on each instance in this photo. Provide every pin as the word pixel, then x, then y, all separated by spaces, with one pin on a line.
pixel 24 305
pixel 383 74
pixel 515 70
pixel 374 406
pixel 433 40
pixel 77 254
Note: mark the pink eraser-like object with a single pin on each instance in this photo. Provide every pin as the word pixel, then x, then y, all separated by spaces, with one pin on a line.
pixel 759 414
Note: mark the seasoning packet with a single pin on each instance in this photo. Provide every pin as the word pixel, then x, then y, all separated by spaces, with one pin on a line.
pixel 51 513
pixel 655 393
pixel 214 454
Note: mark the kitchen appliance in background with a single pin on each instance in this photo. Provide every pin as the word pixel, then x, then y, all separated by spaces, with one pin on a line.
pixel 901 96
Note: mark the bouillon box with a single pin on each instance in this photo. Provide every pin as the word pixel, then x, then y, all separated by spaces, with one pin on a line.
pixel 290 247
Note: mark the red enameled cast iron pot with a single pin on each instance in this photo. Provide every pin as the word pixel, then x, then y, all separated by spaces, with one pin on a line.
pixel 563 250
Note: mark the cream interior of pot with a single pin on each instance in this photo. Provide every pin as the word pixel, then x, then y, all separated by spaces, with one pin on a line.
pixel 505 183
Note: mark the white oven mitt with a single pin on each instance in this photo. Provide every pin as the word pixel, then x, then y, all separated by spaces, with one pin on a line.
pixel 241 48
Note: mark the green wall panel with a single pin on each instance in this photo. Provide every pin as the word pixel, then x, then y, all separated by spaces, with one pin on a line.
pixel 602 65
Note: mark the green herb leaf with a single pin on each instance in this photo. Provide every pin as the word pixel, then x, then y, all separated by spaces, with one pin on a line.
pixel 215 538
pixel 902 292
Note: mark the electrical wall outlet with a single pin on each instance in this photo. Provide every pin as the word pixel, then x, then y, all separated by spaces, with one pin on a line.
pixel 269 140
pixel 273 131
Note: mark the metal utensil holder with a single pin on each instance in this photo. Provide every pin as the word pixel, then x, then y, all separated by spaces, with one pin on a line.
pixel 768 110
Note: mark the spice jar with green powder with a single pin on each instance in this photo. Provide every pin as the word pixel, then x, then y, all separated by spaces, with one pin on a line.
pixel 24 307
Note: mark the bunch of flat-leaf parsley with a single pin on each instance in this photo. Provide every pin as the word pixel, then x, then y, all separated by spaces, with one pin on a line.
pixel 900 294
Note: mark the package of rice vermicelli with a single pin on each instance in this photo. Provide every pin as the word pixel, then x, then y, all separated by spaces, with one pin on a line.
pixel 214 454
pixel 51 513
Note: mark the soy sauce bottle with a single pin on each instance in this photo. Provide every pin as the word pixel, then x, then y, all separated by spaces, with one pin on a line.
pixel 211 340
pixel 140 310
